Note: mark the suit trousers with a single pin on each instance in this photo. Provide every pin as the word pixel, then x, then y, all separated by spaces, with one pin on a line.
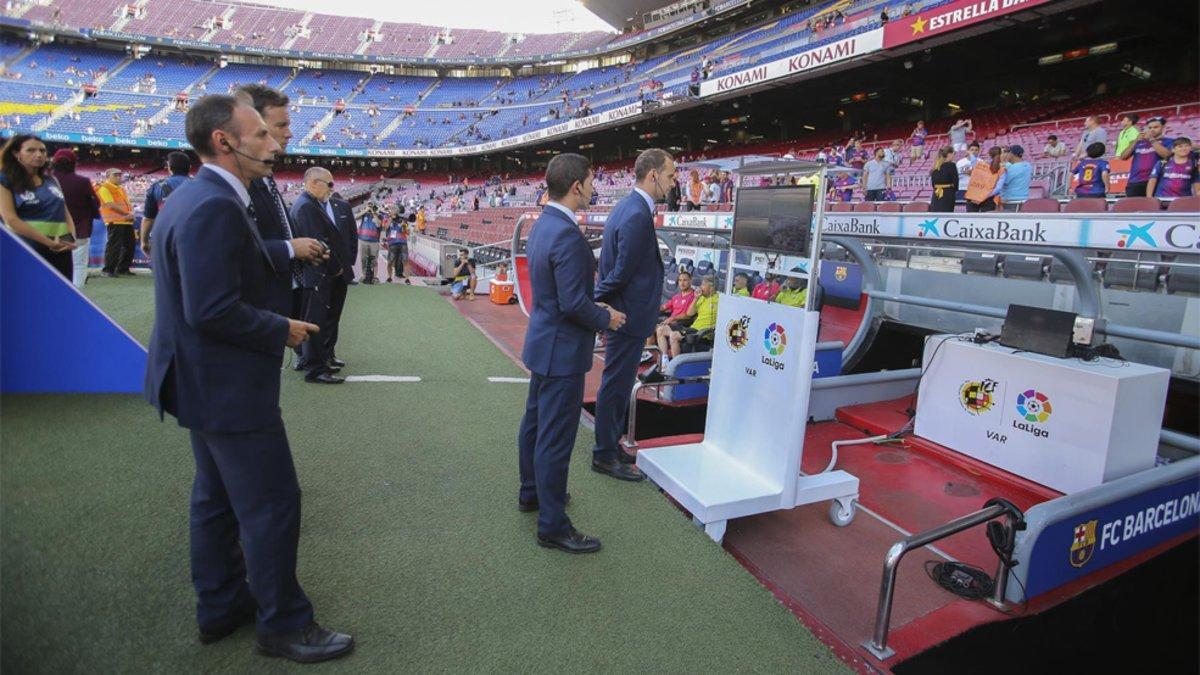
pixel 316 310
pixel 118 248
pixel 545 441
pixel 337 302
pixel 622 354
pixel 246 489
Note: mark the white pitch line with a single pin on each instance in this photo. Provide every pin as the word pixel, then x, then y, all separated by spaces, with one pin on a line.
pixel 511 380
pixel 382 378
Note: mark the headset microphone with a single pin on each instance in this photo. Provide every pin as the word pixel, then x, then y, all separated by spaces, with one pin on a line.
pixel 268 162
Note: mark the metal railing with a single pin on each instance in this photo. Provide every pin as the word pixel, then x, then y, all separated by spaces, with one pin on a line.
pixel 877 645
pixel 630 441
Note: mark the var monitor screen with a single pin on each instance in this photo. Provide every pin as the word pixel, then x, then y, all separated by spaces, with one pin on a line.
pixel 776 219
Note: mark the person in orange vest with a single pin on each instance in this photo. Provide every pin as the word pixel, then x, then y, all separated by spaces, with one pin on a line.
pixel 117 213
pixel 421 220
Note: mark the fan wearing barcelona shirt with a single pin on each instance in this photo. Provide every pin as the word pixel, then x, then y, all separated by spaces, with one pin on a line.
pixel 1092 173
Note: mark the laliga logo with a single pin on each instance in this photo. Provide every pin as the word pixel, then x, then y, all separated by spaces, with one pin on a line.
pixel 1083 543
pixel 1034 408
pixel 774 341
pixel 738 333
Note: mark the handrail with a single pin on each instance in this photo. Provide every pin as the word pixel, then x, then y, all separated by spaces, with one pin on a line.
pixel 877 646
pixel 1178 107
pixel 1056 123
pixel 629 441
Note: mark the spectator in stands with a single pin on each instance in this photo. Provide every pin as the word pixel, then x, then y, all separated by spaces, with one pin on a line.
pixel 421 220
pixel 945 180
pixel 32 204
pixel 697 325
pixel 995 167
pixel 891 154
pixel 856 155
pixel 463 276
pixel 82 204
pixel 673 196
pixel 916 142
pixel 1017 176
pixel 369 231
pixel 712 194
pixel 1053 149
pixel 843 187
pixel 741 284
pixel 792 294
pixel 397 241
pixel 767 289
pixel 1128 135
pixel 1149 147
pixel 675 309
pixel 877 177
pixel 1176 176
pixel 964 167
pixel 117 212
pixel 1092 133
pixel 695 191
pixel 179 165
pixel 958 134
pixel 1093 174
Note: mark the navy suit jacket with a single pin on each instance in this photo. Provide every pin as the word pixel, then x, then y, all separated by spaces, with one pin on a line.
pixel 274 235
pixel 348 229
pixel 564 319
pixel 631 268
pixel 216 350
pixel 309 219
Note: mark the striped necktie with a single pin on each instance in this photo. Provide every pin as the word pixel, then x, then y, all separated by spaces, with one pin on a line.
pixel 294 266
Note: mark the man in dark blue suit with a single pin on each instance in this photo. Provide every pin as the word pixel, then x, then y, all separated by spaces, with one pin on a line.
pixel 558 351
pixel 631 280
pixel 325 283
pixel 288 252
pixel 347 228
pixel 214 364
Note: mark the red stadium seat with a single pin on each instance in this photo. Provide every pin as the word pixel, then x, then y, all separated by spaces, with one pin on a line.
pixel 916 207
pixel 1136 205
pixel 890 207
pixel 842 207
pixel 1086 206
pixel 864 207
pixel 1040 206
pixel 1188 204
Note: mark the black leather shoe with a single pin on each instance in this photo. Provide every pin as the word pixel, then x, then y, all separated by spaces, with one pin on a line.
pixel 332 367
pixel 617 470
pixel 307 645
pixel 626 458
pixel 242 616
pixel 526 507
pixel 325 378
pixel 573 541
pixel 337 363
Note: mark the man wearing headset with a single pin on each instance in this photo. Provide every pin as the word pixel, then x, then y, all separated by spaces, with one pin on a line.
pixel 631 281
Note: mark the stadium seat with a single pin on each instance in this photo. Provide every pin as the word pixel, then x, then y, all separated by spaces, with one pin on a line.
pixel 864 207
pixel 981 263
pixel 1137 205
pixel 1086 206
pixel 1183 280
pixel 1024 267
pixel 1188 204
pixel 704 268
pixel 1040 206
pixel 916 207
pixel 890 207
pixel 1142 276
pixel 842 207
pixel 685 265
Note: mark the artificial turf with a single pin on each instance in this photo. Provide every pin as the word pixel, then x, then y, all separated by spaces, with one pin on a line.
pixel 411 539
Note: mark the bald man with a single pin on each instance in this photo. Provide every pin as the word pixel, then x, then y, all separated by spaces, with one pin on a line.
pixel 325 283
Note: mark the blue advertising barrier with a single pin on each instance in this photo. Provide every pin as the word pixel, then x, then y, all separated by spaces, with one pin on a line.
pixel 54 339
pixel 1081 533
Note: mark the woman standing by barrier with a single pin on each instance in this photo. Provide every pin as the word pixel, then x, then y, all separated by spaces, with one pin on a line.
pixel 944 178
pixel 32 204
